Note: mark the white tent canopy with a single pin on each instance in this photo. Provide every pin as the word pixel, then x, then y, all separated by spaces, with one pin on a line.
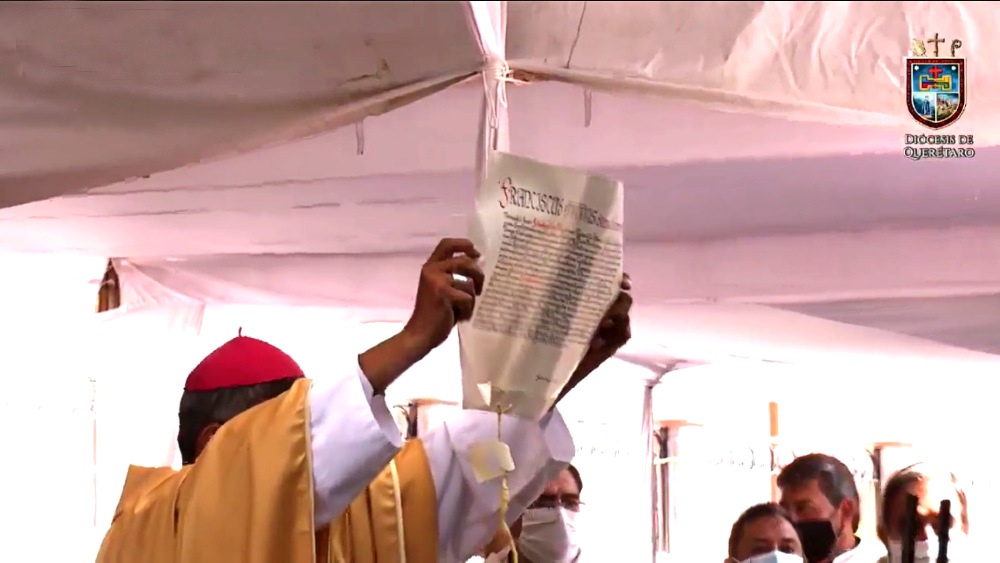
pixel 214 78
pixel 759 143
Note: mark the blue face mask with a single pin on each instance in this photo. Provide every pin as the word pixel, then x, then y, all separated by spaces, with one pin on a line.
pixel 774 557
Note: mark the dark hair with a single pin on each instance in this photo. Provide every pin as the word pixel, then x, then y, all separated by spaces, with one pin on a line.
pixel 576 477
pixel 916 473
pixel 835 480
pixel 750 515
pixel 199 409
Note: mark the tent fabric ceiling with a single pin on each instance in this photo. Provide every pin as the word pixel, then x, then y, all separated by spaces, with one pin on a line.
pixel 92 93
pixel 211 79
pixel 316 195
pixel 966 321
pixel 835 62
pixel 761 158
pixel 772 270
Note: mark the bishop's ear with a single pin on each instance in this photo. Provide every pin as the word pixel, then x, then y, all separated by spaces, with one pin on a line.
pixel 206 434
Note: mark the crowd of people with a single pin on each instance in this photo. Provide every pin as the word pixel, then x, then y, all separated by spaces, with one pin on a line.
pixel 818 515
pixel 815 521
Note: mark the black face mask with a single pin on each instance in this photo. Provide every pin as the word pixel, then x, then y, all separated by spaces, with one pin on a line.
pixel 818 538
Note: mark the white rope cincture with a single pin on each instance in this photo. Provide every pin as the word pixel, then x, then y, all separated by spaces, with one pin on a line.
pixel 490 460
pixel 505 495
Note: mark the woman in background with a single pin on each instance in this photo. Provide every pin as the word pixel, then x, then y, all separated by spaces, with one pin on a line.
pixel 930 488
pixel 764 533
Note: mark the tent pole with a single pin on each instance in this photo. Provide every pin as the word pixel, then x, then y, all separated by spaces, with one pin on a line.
pixel 772 408
pixel 93 418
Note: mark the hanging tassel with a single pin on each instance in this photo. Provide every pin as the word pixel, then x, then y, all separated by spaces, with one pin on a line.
pixel 491 459
pixel 109 295
pixel 505 496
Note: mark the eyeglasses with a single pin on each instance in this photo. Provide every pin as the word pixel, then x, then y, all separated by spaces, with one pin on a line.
pixel 569 502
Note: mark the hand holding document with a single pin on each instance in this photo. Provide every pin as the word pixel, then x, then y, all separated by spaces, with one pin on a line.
pixel 551 244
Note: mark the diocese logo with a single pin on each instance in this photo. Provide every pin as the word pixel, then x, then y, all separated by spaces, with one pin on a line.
pixel 935 85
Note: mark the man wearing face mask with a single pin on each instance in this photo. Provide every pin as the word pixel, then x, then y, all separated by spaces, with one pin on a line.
pixel 547 533
pixel 820 494
pixel 764 533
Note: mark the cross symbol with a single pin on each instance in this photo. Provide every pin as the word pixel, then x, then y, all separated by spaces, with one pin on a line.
pixel 937 41
pixel 935 71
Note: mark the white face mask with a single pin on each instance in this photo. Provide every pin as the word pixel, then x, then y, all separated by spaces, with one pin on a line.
pixel 925 551
pixel 775 557
pixel 548 535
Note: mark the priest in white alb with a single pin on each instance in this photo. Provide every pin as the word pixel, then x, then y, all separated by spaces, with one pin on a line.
pixel 282 469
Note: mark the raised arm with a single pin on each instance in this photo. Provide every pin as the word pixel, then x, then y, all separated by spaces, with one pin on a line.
pixel 353 434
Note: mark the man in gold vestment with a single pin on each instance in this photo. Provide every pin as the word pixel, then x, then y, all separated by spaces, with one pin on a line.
pixel 282 469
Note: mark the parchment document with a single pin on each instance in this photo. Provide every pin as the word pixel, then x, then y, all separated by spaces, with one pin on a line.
pixel 551 240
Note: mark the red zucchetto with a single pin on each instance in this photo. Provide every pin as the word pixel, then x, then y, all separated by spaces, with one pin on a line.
pixel 242 361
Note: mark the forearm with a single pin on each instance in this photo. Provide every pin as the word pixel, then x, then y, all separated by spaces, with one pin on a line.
pixel 352 438
pixel 562 394
pixel 385 362
pixel 353 434
pixel 579 374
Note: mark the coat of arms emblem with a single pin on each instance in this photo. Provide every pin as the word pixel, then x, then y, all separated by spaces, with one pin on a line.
pixel 935 86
